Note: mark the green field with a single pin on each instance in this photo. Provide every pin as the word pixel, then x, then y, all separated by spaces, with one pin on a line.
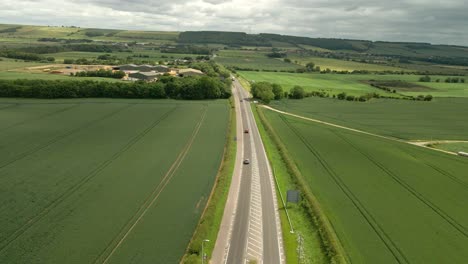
pixel 343 65
pixel 84 181
pixel 10 64
pixel 353 84
pixel 251 59
pixel 151 55
pixel 442 118
pixel 388 202
pixel 28 33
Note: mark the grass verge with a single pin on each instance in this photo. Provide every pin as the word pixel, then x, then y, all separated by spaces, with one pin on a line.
pixel 320 243
pixel 210 220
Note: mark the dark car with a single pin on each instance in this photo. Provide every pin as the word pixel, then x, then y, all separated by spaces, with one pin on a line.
pixel 246 131
pixel 246 161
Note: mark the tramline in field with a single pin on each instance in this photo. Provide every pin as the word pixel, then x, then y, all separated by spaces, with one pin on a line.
pixel 390 208
pixel 105 181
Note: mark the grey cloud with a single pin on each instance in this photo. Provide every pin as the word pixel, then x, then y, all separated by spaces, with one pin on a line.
pixel 398 20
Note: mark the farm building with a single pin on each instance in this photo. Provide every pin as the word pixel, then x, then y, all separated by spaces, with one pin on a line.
pixel 161 68
pixel 144 76
pixel 189 72
pixel 126 67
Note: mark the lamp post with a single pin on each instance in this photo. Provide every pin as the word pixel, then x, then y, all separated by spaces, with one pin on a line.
pixel 203 253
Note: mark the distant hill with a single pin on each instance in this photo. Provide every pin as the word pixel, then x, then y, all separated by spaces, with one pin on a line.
pixel 426 52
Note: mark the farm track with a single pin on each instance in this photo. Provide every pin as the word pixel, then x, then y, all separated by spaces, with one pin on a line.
pixel 72 189
pixel 380 232
pixel 62 136
pixel 115 243
pixel 39 117
pixel 410 189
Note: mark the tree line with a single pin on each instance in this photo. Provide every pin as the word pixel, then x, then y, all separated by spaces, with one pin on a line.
pixel 267 92
pixel 188 88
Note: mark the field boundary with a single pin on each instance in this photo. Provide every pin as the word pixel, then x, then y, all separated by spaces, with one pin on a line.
pixel 329 239
pixel 218 195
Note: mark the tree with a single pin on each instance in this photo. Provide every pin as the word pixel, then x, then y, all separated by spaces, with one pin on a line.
pixel 297 92
pixel 425 79
pixel 428 97
pixel 341 96
pixel 263 91
pixel 277 91
pixel 310 66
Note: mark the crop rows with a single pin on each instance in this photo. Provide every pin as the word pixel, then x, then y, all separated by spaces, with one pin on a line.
pixel 114 181
pixel 389 202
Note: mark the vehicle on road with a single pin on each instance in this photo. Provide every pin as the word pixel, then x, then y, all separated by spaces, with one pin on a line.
pixel 246 131
pixel 464 154
pixel 246 161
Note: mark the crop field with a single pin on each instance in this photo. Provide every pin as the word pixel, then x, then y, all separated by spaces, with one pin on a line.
pixel 442 118
pixel 105 180
pixel 253 60
pixel 401 204
pixel 148 54
pixel 342 65
pixel 354 84
pixel 333 84
pixel 10 64
pixel 26 33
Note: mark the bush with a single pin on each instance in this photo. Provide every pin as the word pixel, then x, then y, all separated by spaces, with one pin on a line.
pixel 297 92
pixel 428 97
pixel 341 96
pixel 425 79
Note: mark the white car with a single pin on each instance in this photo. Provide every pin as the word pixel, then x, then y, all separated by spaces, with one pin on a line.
pixel 246 161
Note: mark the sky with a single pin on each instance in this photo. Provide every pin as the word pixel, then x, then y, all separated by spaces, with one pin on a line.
pixel 433 21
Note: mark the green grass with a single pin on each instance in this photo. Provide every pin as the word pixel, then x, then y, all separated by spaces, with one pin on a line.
pixel 300 219
pixel 210 222
pixel 442 118
pixel 387 201
pixel 354 83
pixel 75 175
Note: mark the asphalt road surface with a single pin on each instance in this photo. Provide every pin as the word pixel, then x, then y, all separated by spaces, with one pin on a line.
pixel 250 230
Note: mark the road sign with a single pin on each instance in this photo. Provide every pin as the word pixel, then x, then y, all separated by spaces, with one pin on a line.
pixel 292 196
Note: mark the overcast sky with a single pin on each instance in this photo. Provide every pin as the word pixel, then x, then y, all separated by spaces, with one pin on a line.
pixel 434 21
